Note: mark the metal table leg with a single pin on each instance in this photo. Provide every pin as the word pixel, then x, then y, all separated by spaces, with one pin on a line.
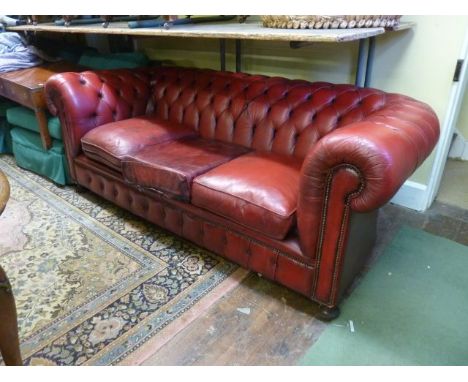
pixel 238 56
pixel 222 53
pixel 361 63
pixel 370 61
pixel 365 62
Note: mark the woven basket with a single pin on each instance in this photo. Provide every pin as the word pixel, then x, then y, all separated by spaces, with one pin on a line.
pixel 334 22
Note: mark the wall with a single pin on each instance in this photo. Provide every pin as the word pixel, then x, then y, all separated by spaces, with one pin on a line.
pixel 418 62
pixel 462 124
pixel 421 64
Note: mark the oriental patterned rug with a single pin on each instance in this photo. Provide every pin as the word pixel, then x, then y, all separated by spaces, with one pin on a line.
pixel 95 285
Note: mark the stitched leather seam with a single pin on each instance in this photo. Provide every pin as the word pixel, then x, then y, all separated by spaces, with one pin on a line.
pixel 276 266
pixel 322 228
pixel 348 198
pixel 101 159
pixel 79 163
pixel 99 148
pixel 339 250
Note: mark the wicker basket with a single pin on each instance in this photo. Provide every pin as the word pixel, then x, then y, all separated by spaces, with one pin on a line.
pixel 334 22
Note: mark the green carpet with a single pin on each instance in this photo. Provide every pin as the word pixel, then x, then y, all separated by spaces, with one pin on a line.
pixel 410 309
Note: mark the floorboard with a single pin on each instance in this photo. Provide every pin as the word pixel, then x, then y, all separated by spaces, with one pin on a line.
pixel 261 323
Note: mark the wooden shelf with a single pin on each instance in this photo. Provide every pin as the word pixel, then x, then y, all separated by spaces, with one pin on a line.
pixel 224 30
pixel 251 30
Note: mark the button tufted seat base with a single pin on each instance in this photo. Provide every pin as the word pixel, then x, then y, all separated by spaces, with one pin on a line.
pixel 110 143
pixel 280 261
pixel 257 190
pixel 170 167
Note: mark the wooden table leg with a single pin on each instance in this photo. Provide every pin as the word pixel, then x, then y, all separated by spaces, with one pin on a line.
pixel 9 341
pixel 43 128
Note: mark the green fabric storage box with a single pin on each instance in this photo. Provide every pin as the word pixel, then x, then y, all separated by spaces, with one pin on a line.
pixel 97 61
pixel 29 154
pixel 5 138
pixel 26 118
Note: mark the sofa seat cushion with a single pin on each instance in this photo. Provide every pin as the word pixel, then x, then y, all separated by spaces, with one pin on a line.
pixel 258 190
pixel 171 167
pixel 111 142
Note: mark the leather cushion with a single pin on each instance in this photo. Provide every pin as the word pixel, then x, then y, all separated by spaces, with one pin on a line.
pixel 110 143
pixel 258 190
pixel 171 167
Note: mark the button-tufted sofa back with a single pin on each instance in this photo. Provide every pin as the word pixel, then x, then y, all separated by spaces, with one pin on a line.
pixel 114 95
pixel 90 99
pixel 265 113
pixel 292 116
pixel 206 100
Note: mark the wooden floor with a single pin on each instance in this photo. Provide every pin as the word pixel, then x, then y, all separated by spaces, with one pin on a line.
pixel 261 323
pixel 453 187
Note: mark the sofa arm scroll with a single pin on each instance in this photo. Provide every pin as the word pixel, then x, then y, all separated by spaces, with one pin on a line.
pixel 378 153
pixel 358 167
pixel 86 100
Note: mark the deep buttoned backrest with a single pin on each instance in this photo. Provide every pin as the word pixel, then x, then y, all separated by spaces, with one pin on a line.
pixel 206 100
pixel 293 115
pixel 87 100
pixel 265 113
pixel 111 95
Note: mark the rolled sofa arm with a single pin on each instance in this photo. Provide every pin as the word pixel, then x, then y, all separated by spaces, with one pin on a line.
pixel 358 167
pixel 86 100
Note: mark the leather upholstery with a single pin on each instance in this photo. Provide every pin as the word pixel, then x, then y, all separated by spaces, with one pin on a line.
pixel 111 142
pixel 196 226
pixel 171 167
pixel 320 154
pixel 381 152
pixel 101 178
pixel 258 190
pixel 208 101
pixel 269 114
pixel 86 100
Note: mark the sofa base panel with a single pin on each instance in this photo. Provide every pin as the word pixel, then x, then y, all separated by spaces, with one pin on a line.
pixel 235 246
pixel 248 252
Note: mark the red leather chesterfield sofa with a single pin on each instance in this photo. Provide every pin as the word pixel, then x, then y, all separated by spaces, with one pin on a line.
pixel 283 177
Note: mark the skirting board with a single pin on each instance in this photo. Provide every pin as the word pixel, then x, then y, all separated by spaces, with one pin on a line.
pixel 412 195
pixel 459 148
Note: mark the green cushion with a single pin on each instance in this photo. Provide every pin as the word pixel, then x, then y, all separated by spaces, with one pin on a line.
pixel 29 154
pixel 73 53
pixel 55 129
pixel 28 138
pixel 113 60
pixel 24 117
